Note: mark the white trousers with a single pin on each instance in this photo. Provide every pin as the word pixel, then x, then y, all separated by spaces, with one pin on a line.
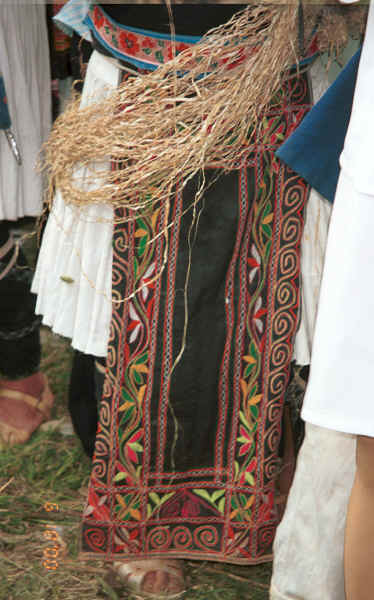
pixel 308 548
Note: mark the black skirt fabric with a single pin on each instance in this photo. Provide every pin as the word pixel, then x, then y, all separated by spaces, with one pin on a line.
pixel 186 455
pixel 19 326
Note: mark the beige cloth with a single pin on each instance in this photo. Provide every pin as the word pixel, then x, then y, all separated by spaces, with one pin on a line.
pixel 313 245
pixel 308 548
pixel 24 64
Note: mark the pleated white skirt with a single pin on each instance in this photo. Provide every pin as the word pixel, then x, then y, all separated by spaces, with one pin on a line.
pixel 24 64
pixel 73 274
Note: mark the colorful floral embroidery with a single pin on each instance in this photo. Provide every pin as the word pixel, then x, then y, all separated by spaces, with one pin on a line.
pixel 154 50
pixel 98 17
pixel 128 42
pixel 148 44
pixel 138 504
pixel 142 47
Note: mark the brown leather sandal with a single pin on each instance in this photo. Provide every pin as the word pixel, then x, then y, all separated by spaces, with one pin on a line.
pixel 153 578
pixel 21 411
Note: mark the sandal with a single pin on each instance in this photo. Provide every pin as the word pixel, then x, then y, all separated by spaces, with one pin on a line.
pixel 154 578
pixel 21 412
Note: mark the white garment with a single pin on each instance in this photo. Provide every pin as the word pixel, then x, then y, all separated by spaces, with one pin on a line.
pixel 313 244
pixel 308 548
pixel 308 563
pixel 313 247
pixel 343 352
pixel 74 270
pixel 339 395
pixel 357 156
pixel 24 64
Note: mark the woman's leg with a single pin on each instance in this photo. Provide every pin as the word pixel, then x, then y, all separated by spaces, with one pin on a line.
pixel 19 326
pixel 85 389
pixel 25 397
pixel 359 537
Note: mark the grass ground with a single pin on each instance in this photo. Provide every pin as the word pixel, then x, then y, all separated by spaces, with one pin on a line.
pixel 51 472
pixel 53 469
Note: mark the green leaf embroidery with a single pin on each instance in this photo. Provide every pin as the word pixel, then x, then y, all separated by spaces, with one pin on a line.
pixel 204 494
pixel 166 497
pixel 242 440
pixel 244 420
pixel 267 250
pixel 253 391
pixel 126 396
pixel 221 505
pixel 159 56
pixel 253 351
pixel 217 494
pixel 155 498
pixel 136 447
pixel 248 370
pixel 234 503
pixel 142 246
pixel 136 268
pixel 127 415
pixel 249 478
pixel 138 377
pixel 267 230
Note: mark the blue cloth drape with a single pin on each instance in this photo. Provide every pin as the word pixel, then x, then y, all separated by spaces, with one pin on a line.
pixel 5 121
pixel 314 149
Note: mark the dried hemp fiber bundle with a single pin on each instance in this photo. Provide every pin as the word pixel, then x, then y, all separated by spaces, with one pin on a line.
pixel 198 109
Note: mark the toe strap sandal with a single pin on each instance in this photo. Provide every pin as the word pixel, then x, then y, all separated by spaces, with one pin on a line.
pixel 22 413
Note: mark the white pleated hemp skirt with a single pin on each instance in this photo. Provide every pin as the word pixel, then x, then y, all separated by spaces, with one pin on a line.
pixel 74 270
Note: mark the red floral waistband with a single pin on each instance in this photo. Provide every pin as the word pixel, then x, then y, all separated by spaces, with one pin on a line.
pixel 144 49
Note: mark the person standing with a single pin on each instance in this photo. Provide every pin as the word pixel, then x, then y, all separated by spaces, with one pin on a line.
pixel 186 459
pixel 25 397
pixel 338 408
